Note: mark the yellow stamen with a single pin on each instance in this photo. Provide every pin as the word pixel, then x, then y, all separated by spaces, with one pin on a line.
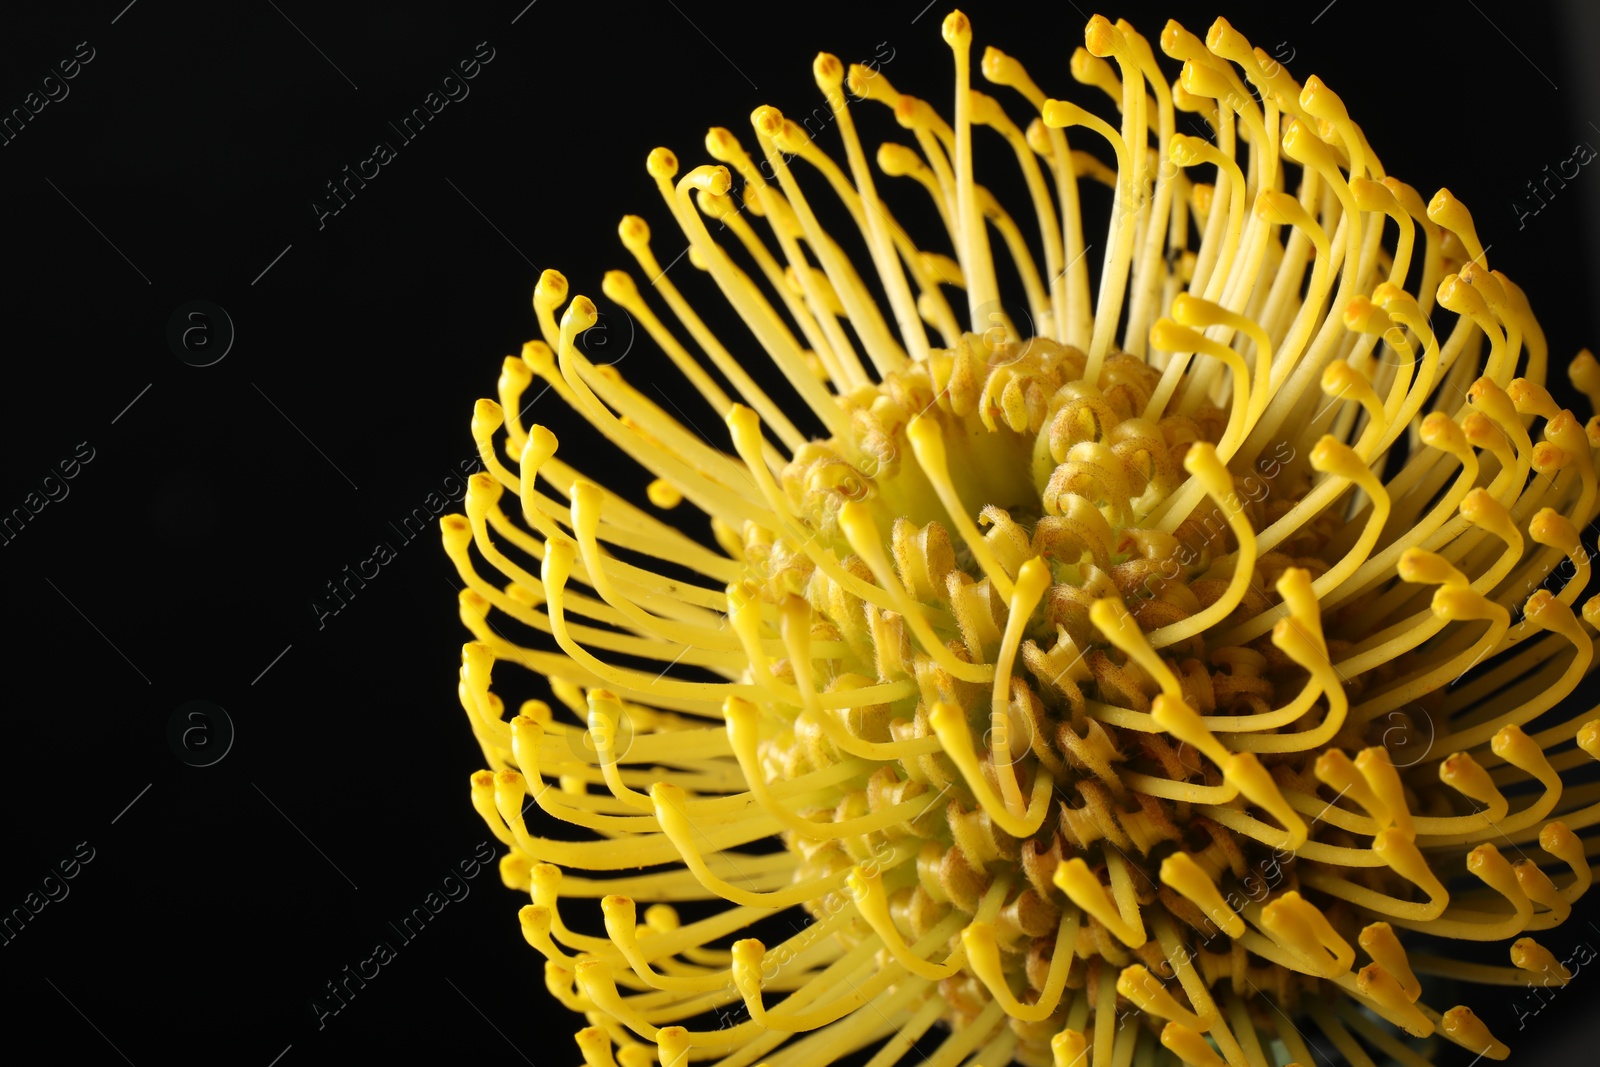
pixel 1047 595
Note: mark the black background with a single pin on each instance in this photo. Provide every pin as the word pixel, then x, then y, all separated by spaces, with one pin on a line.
pixel 182 566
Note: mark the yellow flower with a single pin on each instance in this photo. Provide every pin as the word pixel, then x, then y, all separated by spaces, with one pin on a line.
pixel 1130 666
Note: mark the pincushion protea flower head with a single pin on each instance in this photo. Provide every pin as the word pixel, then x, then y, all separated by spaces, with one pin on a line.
pixel 1126 679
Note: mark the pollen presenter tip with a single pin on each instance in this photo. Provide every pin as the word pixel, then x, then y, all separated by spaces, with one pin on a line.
pixel 1130 669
